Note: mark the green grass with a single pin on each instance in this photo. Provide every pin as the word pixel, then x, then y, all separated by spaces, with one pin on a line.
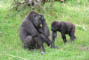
pixel 76 12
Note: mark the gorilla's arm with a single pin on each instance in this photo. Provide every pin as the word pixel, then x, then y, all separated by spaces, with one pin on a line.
pixel 44 38
pixel 45 28
pixel 29 27
pixel 40 30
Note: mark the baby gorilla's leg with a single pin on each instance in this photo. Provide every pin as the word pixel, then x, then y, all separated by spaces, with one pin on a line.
pixel 72 36
pixel 64 37
pixel 54 35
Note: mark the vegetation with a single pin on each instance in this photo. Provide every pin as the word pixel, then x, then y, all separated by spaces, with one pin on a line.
pixel 75 11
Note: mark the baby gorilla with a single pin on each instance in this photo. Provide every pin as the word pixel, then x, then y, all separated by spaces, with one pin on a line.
pixel 34 32
pixel 64 28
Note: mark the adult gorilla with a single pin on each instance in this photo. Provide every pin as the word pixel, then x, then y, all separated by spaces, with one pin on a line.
pixel 34 32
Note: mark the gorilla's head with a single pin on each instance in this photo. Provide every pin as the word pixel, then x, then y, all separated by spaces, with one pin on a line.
pixel 36 18
pixel 55 26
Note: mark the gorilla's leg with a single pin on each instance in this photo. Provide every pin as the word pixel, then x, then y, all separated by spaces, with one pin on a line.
pixel 28 42
pixel 72 36
pixel 39 42
pixel 64 37
pixel 54 34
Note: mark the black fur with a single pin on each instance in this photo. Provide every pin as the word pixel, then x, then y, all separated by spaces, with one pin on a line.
pixel 32 34
pixel 64 28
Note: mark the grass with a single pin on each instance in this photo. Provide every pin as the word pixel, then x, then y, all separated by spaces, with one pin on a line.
pixel 76 12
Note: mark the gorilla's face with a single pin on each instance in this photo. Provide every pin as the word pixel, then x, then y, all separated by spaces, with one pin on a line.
pixel 54 29
pixel 37 20
pixel 55 26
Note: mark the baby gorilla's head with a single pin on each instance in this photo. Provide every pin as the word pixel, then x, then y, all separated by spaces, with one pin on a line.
pixel 54 26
